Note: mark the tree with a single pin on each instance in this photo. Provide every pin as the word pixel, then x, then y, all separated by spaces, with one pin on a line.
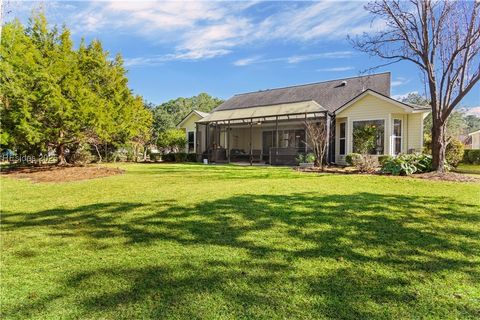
pixel 317 139
pixel 442 39
pixel 473 123
pixel 172 140
pixel 54 97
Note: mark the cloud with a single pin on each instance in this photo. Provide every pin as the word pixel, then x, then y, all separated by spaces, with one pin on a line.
pixel 293 59
pixel 473 111
pixel 399 81
pixel 400 97
pixel 206 29
pixel 336 69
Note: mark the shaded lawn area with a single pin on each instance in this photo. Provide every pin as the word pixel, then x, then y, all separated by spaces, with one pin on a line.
pixel 224 242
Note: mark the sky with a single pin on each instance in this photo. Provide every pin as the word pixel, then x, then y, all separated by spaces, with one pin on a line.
pixel 179 48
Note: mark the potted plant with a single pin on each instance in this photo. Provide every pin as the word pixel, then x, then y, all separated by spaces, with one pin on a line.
pixel 306 160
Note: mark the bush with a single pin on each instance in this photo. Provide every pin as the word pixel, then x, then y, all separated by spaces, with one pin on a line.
pixel 383 158
pixel 192 157
pixel 353 159
pixel 471 156
pixel 454 152
pixel 179 157
pixel 81 156
pixel 407 164
pixel 168 157
pixel 305 158
pixel 310 158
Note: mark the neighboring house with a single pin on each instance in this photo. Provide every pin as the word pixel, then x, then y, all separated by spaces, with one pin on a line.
pixel 475 139
pixel 268 126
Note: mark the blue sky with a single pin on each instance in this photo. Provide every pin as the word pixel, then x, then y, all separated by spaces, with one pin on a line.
pixel 174 49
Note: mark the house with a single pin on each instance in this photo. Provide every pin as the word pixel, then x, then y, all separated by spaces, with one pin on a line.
pixel 269 126
pixel 474 138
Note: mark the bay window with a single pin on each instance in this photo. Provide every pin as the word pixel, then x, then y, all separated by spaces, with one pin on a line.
pixel 369 137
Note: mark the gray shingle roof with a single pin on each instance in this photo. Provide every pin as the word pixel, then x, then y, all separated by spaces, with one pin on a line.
pixel 329 94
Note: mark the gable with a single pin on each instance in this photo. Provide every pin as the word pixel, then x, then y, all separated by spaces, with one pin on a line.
pixel 188 123
pixel 370 106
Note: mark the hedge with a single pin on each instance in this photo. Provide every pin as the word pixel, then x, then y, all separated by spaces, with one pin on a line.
pixel 179 157
pixel 471 156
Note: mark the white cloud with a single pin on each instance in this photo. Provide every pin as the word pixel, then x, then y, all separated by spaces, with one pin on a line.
pixel 399 81
pixel 336 69
pixel 400 97
pixel 473 111
pixel 294 59
pixel 206 29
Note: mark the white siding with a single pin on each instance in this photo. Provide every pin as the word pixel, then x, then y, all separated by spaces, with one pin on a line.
pixel 189 126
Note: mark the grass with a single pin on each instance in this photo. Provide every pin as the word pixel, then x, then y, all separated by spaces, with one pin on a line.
pixel 224 242
pixel 470 169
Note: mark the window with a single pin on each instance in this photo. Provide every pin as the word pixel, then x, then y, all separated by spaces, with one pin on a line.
pixel 342 138
pixel 191 141
pixel 397 136
pixel 369 136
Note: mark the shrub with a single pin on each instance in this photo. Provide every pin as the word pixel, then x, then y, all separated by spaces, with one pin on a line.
pixel 168 157
pixel 192 157
pixel 300 158
pixel 471 156
pixel 180 157
pixel 353 159
pixel 383 158
pixel 81 156
pixel 407 164
pixel 310 158
pixel 454 152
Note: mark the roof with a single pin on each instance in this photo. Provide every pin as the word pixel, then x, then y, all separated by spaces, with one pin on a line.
pixel 405 106
pixel 277 110
pixel 330 94
pixel 198 113
pixel 474 132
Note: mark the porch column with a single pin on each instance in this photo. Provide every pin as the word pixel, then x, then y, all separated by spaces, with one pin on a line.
pixel 276 140
pixel 228 142
pixel 197 141
pixel 306 132
pixel 251 146
pixel 207 133
pixel 327 147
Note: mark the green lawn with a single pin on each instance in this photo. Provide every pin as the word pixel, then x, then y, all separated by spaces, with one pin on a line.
pixel 224 242
pixel 470 169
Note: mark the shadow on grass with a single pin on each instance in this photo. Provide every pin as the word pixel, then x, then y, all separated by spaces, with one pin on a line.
pixel 366 251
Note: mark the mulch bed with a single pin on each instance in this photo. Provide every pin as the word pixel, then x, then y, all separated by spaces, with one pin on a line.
pixel 341 170
pixel 60 173
pixel 449 176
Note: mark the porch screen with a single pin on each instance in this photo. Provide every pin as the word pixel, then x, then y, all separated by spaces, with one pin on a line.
pixel 286 139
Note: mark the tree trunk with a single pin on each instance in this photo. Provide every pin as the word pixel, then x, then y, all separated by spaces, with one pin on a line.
pixel 98 153
pixel 438 145
pixel 60 150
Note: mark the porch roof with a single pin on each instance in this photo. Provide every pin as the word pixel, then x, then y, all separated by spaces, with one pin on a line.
pixel 285 110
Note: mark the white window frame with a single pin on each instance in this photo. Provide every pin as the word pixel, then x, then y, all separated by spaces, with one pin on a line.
pixel 188 142
pixel 394 137
pixel 340 138
pixel 385 135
